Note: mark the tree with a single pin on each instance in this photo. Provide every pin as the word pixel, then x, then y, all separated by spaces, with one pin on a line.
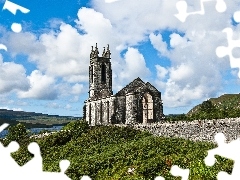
pixel 208 107
pixel 17 133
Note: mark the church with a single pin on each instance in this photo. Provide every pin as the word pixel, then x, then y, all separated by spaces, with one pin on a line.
pixel 137 102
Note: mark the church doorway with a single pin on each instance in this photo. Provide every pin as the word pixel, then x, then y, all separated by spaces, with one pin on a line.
pixel 147 104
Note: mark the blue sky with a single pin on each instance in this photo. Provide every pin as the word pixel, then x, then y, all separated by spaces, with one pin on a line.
pixel 45 68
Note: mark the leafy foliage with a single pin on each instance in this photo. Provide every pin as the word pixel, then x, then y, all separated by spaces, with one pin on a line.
pixel 76 127
pixel 106 152
pixel 17 133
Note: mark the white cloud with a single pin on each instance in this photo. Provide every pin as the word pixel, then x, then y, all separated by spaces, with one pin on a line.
pixel 97 19
pixel 111 1
pixel 74 99
pixel 133 20
pixel 77 89
pixel 181 72
pixel 41 87
pixel 158 43
pixel 53 105
pixel 194 73
pixel 68 106
pixel 177 40
pixel 12 77
pixel 161 72
pixel 135 66
pixel 27 44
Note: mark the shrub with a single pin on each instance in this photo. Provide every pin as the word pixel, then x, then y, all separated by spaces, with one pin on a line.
pixel 77 128
pixel 17 133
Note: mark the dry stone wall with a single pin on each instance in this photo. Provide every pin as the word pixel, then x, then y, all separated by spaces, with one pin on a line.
pixel 203 130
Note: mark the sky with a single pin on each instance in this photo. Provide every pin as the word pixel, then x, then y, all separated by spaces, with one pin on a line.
pixel 45 67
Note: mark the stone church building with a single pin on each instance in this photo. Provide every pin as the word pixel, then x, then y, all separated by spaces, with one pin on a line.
pixel 138 102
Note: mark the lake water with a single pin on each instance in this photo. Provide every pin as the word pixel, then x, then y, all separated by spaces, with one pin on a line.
pixel 33 130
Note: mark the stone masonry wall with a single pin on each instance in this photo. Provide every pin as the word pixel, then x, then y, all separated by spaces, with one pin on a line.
pixel 203 130
pixel 130 107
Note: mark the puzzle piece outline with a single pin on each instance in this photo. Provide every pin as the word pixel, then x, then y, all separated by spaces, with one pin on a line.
pixel 182 9
pixel 176 171
pixel 12 7
pixel 227 150
pixel 222 51
pixel 34 166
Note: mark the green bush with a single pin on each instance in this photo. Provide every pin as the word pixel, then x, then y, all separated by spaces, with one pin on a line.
pixel 106 152
pixel 17 133
pixel 77 128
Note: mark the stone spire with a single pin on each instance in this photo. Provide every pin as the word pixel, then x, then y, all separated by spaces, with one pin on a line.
pixel 96 51
pixel 107 53
pixel 92 53
pixel 103 51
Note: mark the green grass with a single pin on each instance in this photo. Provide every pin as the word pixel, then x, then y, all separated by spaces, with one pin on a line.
pixel 106 152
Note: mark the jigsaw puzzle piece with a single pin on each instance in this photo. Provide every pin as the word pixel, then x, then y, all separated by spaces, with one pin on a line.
pixel 223 176
pixel 182 11
pixel 12 7
pixel 2 46
pixel 4 125
pixel 222 51
pixel 236 16
pixel 176 171
pixel 221 6
pixel 85 178
pixel 159 178
pixel 9 169
pixel 35 164
pixel 5 154
pixel 7 164
pixel 183 14
pixel 226 150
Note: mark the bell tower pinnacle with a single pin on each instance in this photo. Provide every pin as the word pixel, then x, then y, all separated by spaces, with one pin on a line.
pixel 100 74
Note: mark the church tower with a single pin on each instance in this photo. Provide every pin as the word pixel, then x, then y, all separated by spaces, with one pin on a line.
pixel 100 74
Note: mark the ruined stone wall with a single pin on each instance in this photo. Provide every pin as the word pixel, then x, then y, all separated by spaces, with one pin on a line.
pixel 203 130
pixel 112 109
pixel 158 108
pixel 120 110
pixel 99 111
pixel 131 114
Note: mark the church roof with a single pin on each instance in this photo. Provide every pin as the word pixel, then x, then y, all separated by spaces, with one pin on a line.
pixel 131 87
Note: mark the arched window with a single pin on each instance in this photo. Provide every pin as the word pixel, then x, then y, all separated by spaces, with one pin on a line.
pixel 103 74
pixel 147 103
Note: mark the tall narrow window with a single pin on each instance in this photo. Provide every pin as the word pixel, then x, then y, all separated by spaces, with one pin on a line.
pixel 103 73
pixel 147 102
pixel 90 114
pixel 91 73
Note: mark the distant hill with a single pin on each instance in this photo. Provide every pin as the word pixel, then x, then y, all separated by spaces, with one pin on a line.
pixel 32 119
pixel 22 115
pixel 227 105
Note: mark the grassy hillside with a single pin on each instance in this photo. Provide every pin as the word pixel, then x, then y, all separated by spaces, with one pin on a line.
pixel 107 152
pixel 225 106
pixel 226 101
